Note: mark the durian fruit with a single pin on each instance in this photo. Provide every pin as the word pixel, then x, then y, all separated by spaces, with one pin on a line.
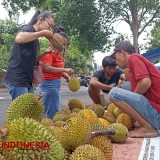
pixel 61 117
pixel 26 105
pixel 76 110
pixel 116 112
pixel 67 154
pixel 87 152
pixel 104 144
pixel 77 132
pixel 98 109
pixel 75 103
pixel 126 120
pixel 59 123
pixel 74 84
pixel 65 110
pixel 121 134
pixel 58 41
pixel 57 132
pixel 109 117
pixel 97 126
pixel 111 107
pixel 73 114
pixel 88 115
pixel 44 145
pixel 104 123
pixel 47 122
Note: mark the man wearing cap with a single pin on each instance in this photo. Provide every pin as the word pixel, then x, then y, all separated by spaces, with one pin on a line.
pixel 104 80
pixel 143 101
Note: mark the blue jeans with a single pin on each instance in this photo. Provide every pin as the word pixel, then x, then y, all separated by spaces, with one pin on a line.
pixel 139 103
pixel 50 89
pixel 16 91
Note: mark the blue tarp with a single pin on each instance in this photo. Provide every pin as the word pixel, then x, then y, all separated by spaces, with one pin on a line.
pixel 152 55
pixel 158 65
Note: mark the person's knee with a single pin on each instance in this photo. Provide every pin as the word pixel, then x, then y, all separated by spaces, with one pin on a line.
pixel 127 86
pixel 92 84
pixel 113 93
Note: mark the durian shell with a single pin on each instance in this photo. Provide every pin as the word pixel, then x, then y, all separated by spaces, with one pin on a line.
pixel 74 84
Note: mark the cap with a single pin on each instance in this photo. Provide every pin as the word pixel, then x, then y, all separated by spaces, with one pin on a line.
pixel 125 46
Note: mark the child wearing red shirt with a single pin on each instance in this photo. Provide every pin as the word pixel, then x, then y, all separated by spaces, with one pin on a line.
pixel 53 70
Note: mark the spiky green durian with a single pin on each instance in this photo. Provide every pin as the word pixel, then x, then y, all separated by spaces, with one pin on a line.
pixel 88 115
pixel 65 110
pixel 59 123
pixel 26 130
pixel 61 117
pixel 121 134
pixel 47 122
pixel 74 84
pixel 77 132
pixel 126 120
pixel 116 112
pixel 57 132
pixel 76 110
pixel 26 105
pixel 87 152
pixel 104 122
pixel 75 103
pixel 98 109
pixel 111 107
pixel 109 117
pixel 104 144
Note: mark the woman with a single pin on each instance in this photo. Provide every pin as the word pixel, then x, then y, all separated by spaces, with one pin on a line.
pixel 53 70
pixel 25 48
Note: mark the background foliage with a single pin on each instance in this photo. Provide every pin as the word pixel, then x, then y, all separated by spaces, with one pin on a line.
pixel 89 24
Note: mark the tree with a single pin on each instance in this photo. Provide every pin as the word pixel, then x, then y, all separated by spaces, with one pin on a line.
pixel 154 41
pixel 80 17
pixel 138 14
pixel 8 30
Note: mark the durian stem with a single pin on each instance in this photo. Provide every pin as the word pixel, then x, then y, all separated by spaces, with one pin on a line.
pixel 104 132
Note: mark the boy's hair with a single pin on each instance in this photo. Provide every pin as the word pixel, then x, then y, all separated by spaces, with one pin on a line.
pixel 108 61
pixel 60 30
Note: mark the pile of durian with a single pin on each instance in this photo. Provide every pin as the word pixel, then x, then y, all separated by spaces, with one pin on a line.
pixel 73 134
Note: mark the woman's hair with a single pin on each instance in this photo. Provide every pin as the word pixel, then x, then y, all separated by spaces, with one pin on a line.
pixel 60 30
pixel 39 14
pixel 108 61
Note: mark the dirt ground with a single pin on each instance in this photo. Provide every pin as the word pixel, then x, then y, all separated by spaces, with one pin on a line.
pixel 127 151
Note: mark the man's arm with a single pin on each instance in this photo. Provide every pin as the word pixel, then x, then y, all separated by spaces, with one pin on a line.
pixel 94 81
pixel 143 85
pixel 25 37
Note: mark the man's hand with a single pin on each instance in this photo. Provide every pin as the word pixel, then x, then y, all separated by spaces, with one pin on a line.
pixel 47 34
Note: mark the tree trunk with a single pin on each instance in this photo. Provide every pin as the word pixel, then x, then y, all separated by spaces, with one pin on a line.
pixel 134 24
pixel 135 38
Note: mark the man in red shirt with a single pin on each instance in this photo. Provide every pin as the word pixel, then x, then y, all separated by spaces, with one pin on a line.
pixel 143 101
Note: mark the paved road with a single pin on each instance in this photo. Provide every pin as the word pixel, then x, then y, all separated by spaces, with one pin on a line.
pixel 5 99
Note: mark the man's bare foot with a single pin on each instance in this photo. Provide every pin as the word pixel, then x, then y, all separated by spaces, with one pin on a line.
pixel 143 132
